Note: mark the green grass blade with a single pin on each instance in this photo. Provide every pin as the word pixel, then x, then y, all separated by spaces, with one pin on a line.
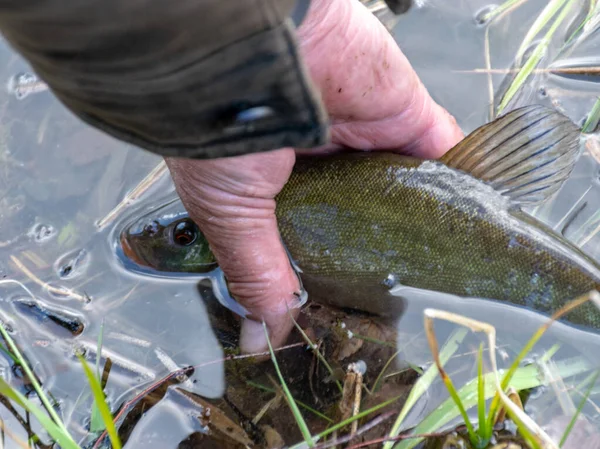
pixel 534 59
pixel 318 354
pixel 591 123
pixel 542 20
pixel 524 378
pixel 500 9
pixel 62 437
pixel 350 420
pixel 485 432
pixel 99 349
pixel 374 340
pixel 288 395
pixel 96 420
pixel 10 354
pixel 300 404
pixel 449 348
pixel 473 437
pixel 594 9
pixel 524 431
pixel 578 411
pixel 36 385
pixel 383 370
pixel 100 400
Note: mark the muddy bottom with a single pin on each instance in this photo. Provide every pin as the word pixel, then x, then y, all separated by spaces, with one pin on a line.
pixel 360 368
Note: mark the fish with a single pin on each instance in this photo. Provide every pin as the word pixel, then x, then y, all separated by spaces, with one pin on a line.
pixel 358 223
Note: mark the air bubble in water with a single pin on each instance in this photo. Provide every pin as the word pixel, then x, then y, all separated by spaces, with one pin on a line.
pixel 72 264
pixel 481 17
pixel 42 232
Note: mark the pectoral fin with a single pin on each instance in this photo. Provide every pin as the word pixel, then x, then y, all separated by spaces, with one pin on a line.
pixel 526 154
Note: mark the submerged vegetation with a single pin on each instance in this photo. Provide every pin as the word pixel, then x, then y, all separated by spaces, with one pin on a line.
pixel 495 394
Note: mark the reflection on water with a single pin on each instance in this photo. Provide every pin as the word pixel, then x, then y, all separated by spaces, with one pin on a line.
pixel 59 176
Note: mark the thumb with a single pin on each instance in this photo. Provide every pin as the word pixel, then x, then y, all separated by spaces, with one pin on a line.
pixel 232 201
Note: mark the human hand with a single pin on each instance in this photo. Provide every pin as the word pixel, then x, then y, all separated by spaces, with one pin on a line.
pixel 375 101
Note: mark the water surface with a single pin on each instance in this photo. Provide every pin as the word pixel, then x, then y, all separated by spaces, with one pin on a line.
pixel 58 177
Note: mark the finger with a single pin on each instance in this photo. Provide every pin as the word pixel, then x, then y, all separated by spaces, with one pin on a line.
pixel 232 201
pixel 369 87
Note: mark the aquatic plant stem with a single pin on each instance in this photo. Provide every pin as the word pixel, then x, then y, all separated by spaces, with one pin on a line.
pixel 100 401
pixel 535 57
pixel 450 347
pixel 529 346
pixel 288 395
pixel 350 420
pixel 593 118
pixel 301 404
pixel 552 7
pixel 578 412
pixel 505 7
pixel 36 385
pixel 317 353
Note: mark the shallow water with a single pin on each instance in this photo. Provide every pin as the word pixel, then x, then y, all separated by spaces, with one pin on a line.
pixel 59 177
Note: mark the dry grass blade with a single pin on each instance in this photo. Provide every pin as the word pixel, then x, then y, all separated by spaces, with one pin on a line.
pixel 449 349
pixel 316 351
pixel 345 439
pixel 522 419
pixel 13 437
pixel 496 14
pixel 59 291
pixel 138 191
pixel 591 296
pixel 583 70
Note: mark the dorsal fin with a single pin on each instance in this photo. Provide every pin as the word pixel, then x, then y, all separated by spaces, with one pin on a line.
pixel 526 154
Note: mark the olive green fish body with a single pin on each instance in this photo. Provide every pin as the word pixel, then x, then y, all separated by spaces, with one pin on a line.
pixel 357 224
pixel 424 225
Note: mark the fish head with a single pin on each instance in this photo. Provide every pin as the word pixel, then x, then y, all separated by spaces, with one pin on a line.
pixel 167 240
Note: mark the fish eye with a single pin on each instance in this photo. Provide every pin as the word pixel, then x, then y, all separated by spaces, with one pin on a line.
pixel 185 233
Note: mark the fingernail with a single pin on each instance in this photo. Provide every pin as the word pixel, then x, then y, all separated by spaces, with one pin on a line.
pixel 252 337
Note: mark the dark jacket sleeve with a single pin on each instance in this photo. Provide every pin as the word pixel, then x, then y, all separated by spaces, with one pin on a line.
pixel 189 78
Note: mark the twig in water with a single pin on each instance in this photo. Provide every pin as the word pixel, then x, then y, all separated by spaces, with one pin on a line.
pixel 13 437
pixel 138 191
pixel 373 423
pixel 557 70
pixel 497 14
pixel 389 439
pixel 50 288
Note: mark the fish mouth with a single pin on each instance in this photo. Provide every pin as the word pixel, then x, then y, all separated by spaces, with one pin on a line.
pixel 128 251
